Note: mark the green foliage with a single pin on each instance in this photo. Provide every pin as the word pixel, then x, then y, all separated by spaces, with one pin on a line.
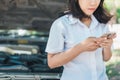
pixel 112 4
pixel 113 66
pixel 108 4
pixel 111 69
pixel 116 52
pixel 118 15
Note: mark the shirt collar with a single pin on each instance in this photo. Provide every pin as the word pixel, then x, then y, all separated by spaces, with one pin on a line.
pixel 94 22
pixel 73 20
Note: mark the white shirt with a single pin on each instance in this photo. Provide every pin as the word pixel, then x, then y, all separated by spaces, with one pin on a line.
pixel 68 31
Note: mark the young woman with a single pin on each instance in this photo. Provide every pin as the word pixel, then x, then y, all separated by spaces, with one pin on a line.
pixel 75 41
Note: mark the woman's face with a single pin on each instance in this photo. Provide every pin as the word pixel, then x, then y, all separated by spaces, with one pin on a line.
pixel 89 6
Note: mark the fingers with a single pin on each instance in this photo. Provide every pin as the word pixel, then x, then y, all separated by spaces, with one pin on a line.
pixel 103 42
pixel 94 47
pixel 110 35
pixel 100 40
pixel 114 36
pixel 106 43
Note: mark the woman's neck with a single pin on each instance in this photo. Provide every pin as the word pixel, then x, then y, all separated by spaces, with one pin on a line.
pixel 86 21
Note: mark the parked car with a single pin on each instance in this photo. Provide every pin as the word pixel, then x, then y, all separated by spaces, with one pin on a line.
pixel 24 31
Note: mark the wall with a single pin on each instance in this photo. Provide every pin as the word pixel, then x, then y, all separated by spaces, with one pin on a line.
pixel 116 28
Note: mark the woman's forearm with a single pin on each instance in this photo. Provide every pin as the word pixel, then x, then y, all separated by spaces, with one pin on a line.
pixel 107 54
pixel 59 59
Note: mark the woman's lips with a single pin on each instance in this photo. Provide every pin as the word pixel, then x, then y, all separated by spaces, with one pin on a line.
pixel 91 9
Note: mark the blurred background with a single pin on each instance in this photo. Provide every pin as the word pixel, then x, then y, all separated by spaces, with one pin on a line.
pixel 113 66
pixel 36 16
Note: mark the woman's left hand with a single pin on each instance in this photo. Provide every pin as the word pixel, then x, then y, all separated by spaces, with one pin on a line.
pixel 106 43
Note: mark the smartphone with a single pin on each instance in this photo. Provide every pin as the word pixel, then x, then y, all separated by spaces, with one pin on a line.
pixel 109 35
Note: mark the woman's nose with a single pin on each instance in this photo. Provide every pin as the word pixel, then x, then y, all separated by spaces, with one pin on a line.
pixel 93 2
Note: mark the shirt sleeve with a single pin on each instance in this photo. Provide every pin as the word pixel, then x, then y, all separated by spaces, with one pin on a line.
pixel 55 42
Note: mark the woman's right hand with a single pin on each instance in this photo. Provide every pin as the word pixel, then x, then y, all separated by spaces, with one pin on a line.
pixel 90 44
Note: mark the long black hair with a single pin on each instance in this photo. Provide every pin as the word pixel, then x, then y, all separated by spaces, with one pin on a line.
pixel 101 14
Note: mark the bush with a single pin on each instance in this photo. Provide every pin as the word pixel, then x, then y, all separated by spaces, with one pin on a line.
pixel 118 15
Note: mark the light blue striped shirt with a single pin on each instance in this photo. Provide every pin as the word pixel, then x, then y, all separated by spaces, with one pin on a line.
pixel 68 31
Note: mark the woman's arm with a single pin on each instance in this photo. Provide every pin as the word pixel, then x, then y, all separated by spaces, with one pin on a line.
pixel 59 59
pixel 107 53
pixel 106 44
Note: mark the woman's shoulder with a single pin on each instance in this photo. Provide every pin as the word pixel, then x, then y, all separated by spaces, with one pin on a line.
pixel 60 23
pixel 63 18
pixel 66 19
